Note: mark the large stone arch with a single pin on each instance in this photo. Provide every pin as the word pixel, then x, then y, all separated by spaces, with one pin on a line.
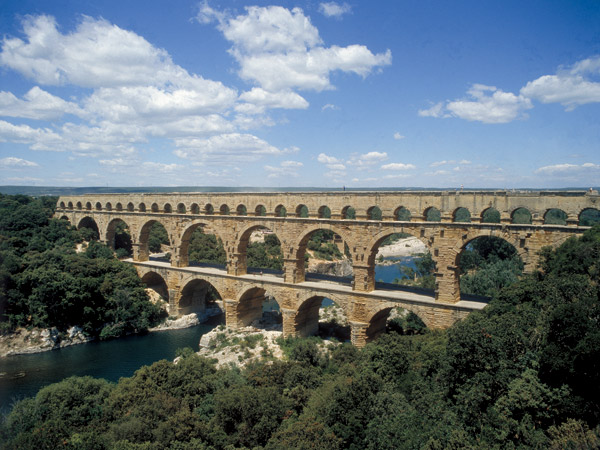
pixel 183 241
pixel 306 314
pixel 241 244
pixel 89 222
pixel 194 296
pixel 144 234
pixel 109 233
pixel 248 307
pixel 155 281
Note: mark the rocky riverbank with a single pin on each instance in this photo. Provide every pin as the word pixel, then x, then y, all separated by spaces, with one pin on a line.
pixel 23 341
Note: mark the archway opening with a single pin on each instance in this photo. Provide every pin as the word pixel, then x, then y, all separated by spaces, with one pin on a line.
pixel 589 217
pixel 224 210
pixel 88 229
pixel 348 213
pixel 280 211
pixel 402 261
pixel 490 215
pixel 98 206
pixel 521 215
pixel 168 208
pixel 487 264
pixel 209 209
pixel 323 317
pixel 555 216
pixel 374 213
pixel 118 238
pixel 202 248
pixel 201 298
pixel 324 212
pixel 302 211
pixel 462 215
pixel 241 210
pixel 195 209
pixel 321 257
pixel 262 249
pixel 403 321
pixel 157 290
pixel 142 207
pixel 181 208
pixel 258 309
pixel 432 214
pixel 402 214
pixel 130 207
pixel 154 240
pixel 260 211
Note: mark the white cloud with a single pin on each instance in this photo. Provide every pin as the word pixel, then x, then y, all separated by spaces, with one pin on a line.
pixel 280 49
pixel 13 162
pixel 441 163
pixel 398 166
pixel 258 100
pixel 36 104
pixel 398 136
pixel 367 159
pixel 326 159
pixel 329 106
pixel 291 164
pixel 436 110
pixel 571 87
pixel 160 167
pixel 333 9
pixel 568 169
pixel 24 134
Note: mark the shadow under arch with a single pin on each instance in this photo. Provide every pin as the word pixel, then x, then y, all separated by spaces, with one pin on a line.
pixel 249 309
pixel 89 223
pixel 157 283
pixel 589 217
pixel 323 316
pixel 199 297
pixel 301 246
pixel 210 251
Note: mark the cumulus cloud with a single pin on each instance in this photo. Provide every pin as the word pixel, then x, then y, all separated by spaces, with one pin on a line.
pixel 333 9
pixel 398 136
pixel 258 100
pixel 568 169
pixel 367 159
pixel 326 159
pixel 398 166
pixel 14 162
pixel 36 104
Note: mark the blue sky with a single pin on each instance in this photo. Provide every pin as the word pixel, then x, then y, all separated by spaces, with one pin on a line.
pixel 308 93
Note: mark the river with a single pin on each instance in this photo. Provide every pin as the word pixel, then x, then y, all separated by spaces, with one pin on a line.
pixel 22 376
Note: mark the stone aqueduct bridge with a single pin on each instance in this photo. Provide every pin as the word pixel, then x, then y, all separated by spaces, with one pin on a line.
pixel 234 216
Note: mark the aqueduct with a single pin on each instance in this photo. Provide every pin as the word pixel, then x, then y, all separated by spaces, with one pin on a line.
pixel 362 219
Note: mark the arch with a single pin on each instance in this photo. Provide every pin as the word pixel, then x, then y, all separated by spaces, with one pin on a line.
pixel 157 283
pixel 154 207
pixel 118 236
pixel 374 213
pixel 62 205
pixel 208 250
pixel 224 210
pixel 348 213
pixel 241 210
pixel 259 255
pixel 314 316
pixel 168 208
pixel 324 212
pixel 490 215
pixel 64 218
pixel 589 217
pixel 70 205
pixel 79 206
pixel 250 306
pixel 88 206
pixel 555 216
pixel 142 207
pixel 462 215
pixel 90 223
pixel 181 208
pixel 108 206
pixel 194 297
pixel 98 206
pixel 195 209
pixel 130 207
pixel 402 214
pixel 302 211
pixel 432 214
pixel 377 324
pixel 209 209
pixel 119 207
pixel 521 215
pixel 147 234
pixel 260 211
pixel 280 211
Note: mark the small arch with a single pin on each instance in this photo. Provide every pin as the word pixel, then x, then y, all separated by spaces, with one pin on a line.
pixel 490 215
pixel 195 208
pixel 241 210
pixel 142 207
pixel 260 249
pixel 196 297
pixel 348 213
pixel 98 206
pixel 64 218
pixel 70 205
pixel 181 208
pixel 324 212
pixel 79 206
pixel 108 206
pixel 88 206
pixel 432 214
pixel 157 283
pixel 89 223
pixel 224 210
pixel 62 205
pixel 198 247
pixel 130 207
pixel 154 207
pixel 402 214
pixel 555 216
pixel 250 308
pixel 521 215
pixel 462 215
pixel 260 211
pixel 209 209
pixel 153 236
pixel 321 244
pixel 374 213
pixel 168 208
pixel 280 211
pixel 589 217
pixel 302 211
pixel 119 237
pixel 119 207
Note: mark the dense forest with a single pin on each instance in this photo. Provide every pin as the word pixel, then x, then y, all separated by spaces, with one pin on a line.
pixel 522 373
pixel 45 282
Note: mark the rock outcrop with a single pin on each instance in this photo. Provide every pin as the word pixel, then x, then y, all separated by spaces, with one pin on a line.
pixel 23 341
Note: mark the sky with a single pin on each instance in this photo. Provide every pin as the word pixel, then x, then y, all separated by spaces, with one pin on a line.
pixel 431 94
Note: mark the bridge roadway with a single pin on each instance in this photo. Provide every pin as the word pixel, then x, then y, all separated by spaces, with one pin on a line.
pixel 294 217
pixel 299 303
